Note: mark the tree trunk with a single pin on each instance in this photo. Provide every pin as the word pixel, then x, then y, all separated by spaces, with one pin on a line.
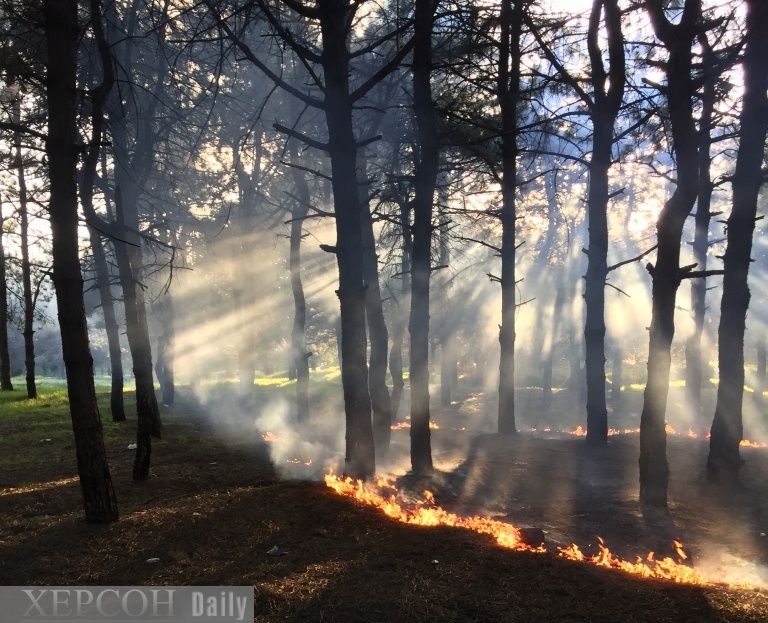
pixel 666 275
pixel 110 325
pixel 94 154
pixel 245 291
pixel 616 378
pixel 26 269
pixel 165 349
pixel 134 161
pixel 760 373
pixel 298 332
pixel 62 33
pixel 402 309
pixel 724 462
pixel 604 112
pixel 377 328
pixel 5 357
pixel 147 411
pixel 693 356
pixel 425 179
pixel 508 96
pixel 360 453
pixel 448 341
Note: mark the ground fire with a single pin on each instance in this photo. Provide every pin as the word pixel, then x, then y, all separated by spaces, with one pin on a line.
pixel 425 512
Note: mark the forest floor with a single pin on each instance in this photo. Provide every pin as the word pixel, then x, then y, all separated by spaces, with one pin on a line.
pixel 220 497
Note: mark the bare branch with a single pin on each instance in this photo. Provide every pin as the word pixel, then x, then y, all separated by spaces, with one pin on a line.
pixel 634 259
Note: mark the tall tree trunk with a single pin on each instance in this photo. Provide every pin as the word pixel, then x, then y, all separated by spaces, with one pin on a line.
pixel 616 377
pixel 26 268
pixel 5 358
pixel 693 356
pixel 111 326
pixel 425 180
pixel 147 411
pixel 762 355
pixel 298 332
pixel 62 33
pixel 165 349
pixel 448 341
pixel 724 462
pixel 94 155
pixel 377 328
pixel 508 96
pixel 402 306
pixel 666 275
pixel 605 109
pixel 360 453
pixel 134 161
pixel 245 290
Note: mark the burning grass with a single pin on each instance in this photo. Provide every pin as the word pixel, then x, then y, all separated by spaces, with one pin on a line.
pixel 211 512
pixel 384 496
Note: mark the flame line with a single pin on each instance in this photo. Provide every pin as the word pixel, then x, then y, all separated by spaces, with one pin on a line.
pixel 426 513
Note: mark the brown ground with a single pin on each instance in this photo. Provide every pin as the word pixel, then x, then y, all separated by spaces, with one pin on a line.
pixel 211 512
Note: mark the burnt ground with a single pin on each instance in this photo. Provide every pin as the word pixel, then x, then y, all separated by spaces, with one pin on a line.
pixel 212 510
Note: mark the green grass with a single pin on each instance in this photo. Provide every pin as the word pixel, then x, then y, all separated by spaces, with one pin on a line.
pixel 37 433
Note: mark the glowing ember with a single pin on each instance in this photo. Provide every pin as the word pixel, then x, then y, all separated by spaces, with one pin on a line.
pixel 402 425
pixel 299 462
pixel 384 496
pixel 752 444
pixel 270 437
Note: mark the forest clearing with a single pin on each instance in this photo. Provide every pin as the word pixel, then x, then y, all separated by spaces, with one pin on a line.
pixel 216 504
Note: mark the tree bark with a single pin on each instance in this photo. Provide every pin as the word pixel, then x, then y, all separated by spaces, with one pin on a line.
pixel 61 33
pixel 425 180
pixel 334 25
pixel 133 165
pixel 666 276
pixel 762 355
pixel 5 357
pixel 94 154
pixel 165 349
pixel 508 95
pixel 724 462
pixel 245 290
pixel 26 268
pixel 377 329
pixel 147 411
pixel 117 406
pixel 298 332
pixel 605 109
pixel 693 356
pixel 402 306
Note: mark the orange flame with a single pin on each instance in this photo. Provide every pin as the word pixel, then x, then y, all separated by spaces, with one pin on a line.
pixel 752 444
pixel 402 425
pixel 270 437
pixel 579 432
pixel 424 512
pixel 691 434
pixel 669 430
pixel 667 568
pixel 385 496
pixel 299 462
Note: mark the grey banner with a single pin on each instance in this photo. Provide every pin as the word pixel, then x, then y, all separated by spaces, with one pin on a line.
pixel 124 604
